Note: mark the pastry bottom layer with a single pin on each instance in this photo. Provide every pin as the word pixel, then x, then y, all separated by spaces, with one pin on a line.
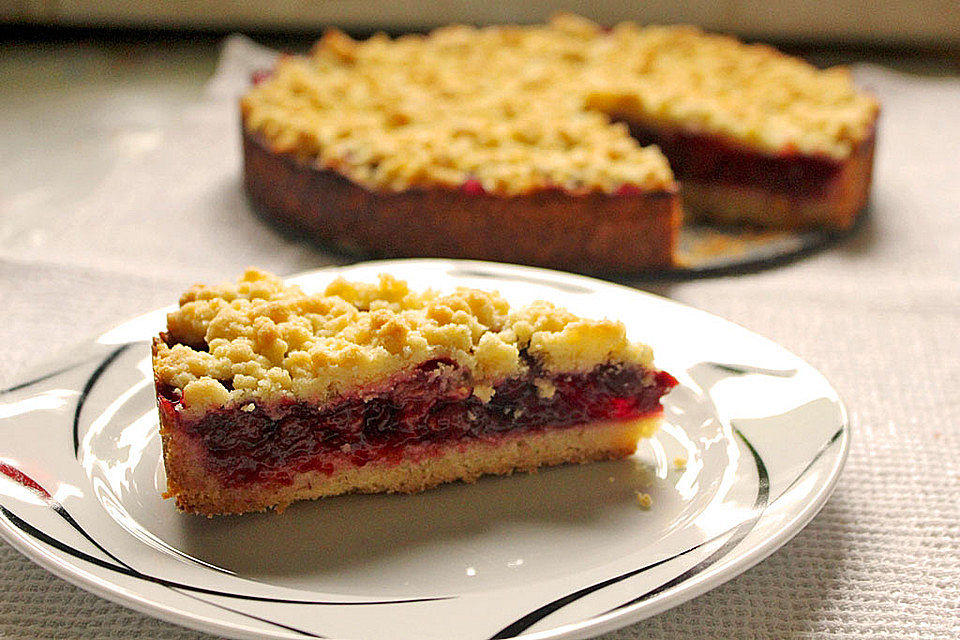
pixel 196 492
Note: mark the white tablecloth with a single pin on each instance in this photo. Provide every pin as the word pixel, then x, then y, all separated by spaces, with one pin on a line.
pixel 113 202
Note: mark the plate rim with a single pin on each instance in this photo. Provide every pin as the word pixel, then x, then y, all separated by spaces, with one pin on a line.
pixel 79 576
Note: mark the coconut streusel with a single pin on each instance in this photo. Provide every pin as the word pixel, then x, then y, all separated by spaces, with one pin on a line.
pixel 518 109
pixel 260 340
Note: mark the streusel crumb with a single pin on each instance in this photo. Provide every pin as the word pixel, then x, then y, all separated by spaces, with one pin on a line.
pixel 261 340
pixel 516 109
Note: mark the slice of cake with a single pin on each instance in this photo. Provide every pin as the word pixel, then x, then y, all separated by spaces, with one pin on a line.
pixel 557 145
pixel 269 395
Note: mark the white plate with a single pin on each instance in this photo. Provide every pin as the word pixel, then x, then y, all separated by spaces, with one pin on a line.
pixel 565 553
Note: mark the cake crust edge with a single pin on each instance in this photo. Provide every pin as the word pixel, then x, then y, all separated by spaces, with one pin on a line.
pixel 592 233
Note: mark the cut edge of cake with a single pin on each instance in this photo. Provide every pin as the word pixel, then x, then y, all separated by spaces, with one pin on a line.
pixel 202 494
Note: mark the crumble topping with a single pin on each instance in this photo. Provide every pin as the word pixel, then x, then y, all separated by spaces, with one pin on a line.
pixel 545 388
pixel 680 77
pixel 259 340
pixel 510 109
pixel 645 500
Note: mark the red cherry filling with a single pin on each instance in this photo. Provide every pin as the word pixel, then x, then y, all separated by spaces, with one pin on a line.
pixel 260 75
pixel 628 190
pixel 472 187
pixel 711 159
pixel 432 407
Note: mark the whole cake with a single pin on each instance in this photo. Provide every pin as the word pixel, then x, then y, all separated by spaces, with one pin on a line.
pixel 527 144
pixel 269 395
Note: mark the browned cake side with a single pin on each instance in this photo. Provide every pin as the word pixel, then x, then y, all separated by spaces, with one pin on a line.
pixel 594 232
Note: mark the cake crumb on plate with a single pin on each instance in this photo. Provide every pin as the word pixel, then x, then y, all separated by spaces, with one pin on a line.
pixel 645 500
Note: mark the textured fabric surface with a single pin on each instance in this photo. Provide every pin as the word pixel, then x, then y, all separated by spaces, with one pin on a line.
pixel 878 315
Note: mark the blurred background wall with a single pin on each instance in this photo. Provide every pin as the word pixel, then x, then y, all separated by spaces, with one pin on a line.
pixel 881 22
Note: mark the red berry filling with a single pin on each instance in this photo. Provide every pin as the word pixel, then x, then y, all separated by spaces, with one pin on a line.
pixel 260 75
pixel 699 157
pixel 430 408
pixel 628 190
pixel 472 187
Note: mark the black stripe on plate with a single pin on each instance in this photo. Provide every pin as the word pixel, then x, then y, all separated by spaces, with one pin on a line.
pixel 26 481
pixel 480 273
pixel 736 538
pixel 743 530
pixel 123 568
pixel 306 634
pixel 739 533
pixel 87 387
pixel 63 513
pixel 759 506
pixel 746 369
pixel 38 380
pixel 42 536
pixel 819 454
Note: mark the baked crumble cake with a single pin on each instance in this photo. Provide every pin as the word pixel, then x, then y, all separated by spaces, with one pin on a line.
pixel 269 395
pixel 528 143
